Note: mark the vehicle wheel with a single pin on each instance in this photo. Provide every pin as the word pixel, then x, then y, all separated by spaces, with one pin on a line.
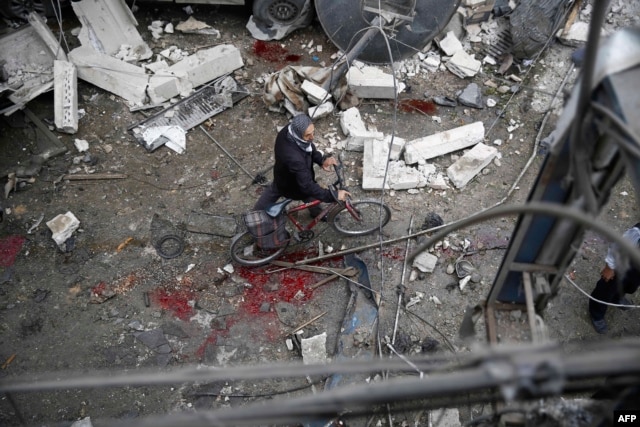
pixel 373 216
pixel 245 252
pixel 283 12
pixel 22 8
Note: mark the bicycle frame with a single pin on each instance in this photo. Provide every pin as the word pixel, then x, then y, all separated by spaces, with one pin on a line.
pixel 301 227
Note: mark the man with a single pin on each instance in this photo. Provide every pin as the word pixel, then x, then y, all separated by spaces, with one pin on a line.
pixel 614 284
pixel 293 173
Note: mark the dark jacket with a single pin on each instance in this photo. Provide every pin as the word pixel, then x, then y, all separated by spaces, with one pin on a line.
pixel 293 171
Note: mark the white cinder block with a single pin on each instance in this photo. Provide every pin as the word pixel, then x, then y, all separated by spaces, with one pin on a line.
pixel 469 165
pixel 445 142
pixel 65 96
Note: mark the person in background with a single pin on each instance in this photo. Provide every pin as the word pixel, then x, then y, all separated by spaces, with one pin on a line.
pixel 293 172
pixel 614 284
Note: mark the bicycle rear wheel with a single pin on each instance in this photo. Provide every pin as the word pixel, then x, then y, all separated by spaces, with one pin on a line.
pixel 244 251
pixel 372 214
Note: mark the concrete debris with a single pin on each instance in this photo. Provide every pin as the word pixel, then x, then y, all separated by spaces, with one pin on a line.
pixel 471 96
pixel 469 165
pixel 415 300
pixel 463 65
pixel 425 262
pixel 314 349
pixel 106 26
pixel 62 226
pixel 450 44
pixel 315 93
pixel 356 130
pixel 113 75
pixel 81 145
pixel 372 82
pixel 445 101
pixel 173 137
pixel 444 142
pixel 321 110
pixel 26 58
pixel 193 26
pixel 65 96
pixel 85 422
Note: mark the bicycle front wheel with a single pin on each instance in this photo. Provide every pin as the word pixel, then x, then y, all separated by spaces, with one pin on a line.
pixel 367 217
pixel 244 251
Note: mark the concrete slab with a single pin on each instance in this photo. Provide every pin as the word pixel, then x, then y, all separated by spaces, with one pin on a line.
pixel 120 78
pixel 463 65
pixel 107 25
pixel 356 131
pixel 208 64
pixel 315 93
pixel 445 142
pixel 65 96
pixel 469 165
pixel 372 82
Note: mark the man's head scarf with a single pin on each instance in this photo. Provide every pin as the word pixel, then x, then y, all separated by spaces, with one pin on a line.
pixel 298 126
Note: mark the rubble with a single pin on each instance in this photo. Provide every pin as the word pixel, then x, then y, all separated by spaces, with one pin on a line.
pixel 470 164
pixel 441 143
pixel 62 226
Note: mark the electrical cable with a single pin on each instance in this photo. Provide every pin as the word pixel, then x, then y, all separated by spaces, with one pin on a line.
pixel 595 299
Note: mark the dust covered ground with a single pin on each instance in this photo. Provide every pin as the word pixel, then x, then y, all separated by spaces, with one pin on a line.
pixel 110 304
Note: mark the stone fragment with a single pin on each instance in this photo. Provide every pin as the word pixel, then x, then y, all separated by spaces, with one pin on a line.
pixel 469 165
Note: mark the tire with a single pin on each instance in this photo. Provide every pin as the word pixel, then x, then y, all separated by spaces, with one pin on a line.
pixel 257 257
pixel 21 8
pixel 283 12
pixel 374 215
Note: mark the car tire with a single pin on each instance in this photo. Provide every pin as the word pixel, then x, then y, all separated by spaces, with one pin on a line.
pixel 13 9
pixel 283 12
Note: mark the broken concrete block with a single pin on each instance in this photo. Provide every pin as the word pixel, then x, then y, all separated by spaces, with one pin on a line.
pixel 108 25
pixel 402 177
pixel 65 96
pixel 372 82
pixel 445 142
pixel 432 62
pixel 209 64
pixel 374 163
pixel 471 96
pixel 450 44
pixel 321 110
pixel 62 227
pixel 40 27
pixel 463 65
pixel 396 145
pixel 469 165
pixel 120 78
pixel 425 262
pixel 315 93
pixel 577 34
pixel 164 86
pixel 314 349
pixel 354 128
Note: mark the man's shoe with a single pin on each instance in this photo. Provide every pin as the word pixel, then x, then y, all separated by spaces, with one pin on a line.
pixel 625 301
pixel 599 325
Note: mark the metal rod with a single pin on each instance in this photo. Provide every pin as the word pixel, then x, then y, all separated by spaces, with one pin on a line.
pixel 401 290
pixel 226 152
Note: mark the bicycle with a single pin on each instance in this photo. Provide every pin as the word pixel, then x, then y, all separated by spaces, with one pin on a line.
pixel 350 218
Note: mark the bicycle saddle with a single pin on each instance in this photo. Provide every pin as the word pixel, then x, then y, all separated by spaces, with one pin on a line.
pixel 277 208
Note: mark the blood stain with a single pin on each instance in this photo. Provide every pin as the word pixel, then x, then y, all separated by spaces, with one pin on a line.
pixel 413 105
pixel 179 302
pixel 273 52
pixel 10 247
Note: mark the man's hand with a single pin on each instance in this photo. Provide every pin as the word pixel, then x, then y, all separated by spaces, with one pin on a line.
pixel 343 194
pixel 607 273
pixel 328 162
